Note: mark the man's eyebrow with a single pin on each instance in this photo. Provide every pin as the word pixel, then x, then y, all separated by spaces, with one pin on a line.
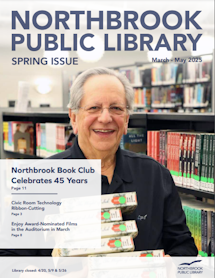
pixel 94 103
pixel 114 103
pixel 100 103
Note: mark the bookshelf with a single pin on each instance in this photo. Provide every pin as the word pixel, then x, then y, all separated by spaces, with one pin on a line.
pixel 173 86
pixel 150 121
pixel 168 87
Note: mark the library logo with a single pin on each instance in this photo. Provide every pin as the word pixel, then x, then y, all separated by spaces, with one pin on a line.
pixel 190 268
pixel 191 262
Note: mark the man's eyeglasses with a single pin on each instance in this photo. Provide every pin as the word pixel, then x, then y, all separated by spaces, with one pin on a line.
pixel 116 109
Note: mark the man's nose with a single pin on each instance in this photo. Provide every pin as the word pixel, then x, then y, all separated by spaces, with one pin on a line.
pixel 105 116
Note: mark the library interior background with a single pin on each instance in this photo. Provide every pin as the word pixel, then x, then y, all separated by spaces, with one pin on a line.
pixel 173 114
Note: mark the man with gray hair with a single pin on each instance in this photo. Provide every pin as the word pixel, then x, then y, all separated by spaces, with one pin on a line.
pixel 100 104
pixel 99 108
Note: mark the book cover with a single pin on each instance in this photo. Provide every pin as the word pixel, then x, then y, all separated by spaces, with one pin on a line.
pixel 23 137
pixel 108 245
pixel 135 140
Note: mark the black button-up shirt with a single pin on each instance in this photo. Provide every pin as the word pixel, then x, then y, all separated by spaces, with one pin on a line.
pixel 159 216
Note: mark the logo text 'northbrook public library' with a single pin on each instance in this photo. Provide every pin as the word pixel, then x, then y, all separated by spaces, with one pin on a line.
pixel 188 268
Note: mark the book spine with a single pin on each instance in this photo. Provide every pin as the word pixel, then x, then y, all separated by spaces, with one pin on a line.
pixel 112 229
pixel 10 136
pixel 88 217
pixel 5 135
pixel 193 152
pixel 180 160
pixel 161 147
pixel 184 161
pixel 109 215
pixel 209 231
pixel 157 139
pixel 108 245
pixel 188 180
pixel 38 141
pixel 165 144
pixel 202 231
pixel 64 136
pixel 153 145
pixel 149 142
pixel 198 160
pixel 173 155
pixel 168 150
pixel 119 229
pixel 212 165
pixel 196 227
pixel 204 162
pixel 209 166
pixel 44 139
pixel 192 222
pixel 177 156
pixel 212 234
pixel 123 260
pixel 135 254
pixel 122 200
pixel 174 158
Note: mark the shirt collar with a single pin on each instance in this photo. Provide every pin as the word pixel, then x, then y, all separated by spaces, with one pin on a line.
pixel 76 150
pixel 122 169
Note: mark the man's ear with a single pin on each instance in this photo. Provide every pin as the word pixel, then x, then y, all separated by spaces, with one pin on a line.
pixel 126 125
pixel 73 121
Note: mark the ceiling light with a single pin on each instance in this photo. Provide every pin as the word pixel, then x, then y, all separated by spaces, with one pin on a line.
pixel 43 85
pixel 94 55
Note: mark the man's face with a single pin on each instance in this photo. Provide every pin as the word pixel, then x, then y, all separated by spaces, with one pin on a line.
pixel 101 132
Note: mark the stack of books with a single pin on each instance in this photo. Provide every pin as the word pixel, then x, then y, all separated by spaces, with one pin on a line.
pixel 133 75
pixel 116 235
pixel 188 156
pixel 166 74
pixel 197 71
pixel 139 97
pixel 166 97
pixel 197 96
pixel 18 137
pixel 51 138
pixel 128 264
pixel 116 257
pixel 201 222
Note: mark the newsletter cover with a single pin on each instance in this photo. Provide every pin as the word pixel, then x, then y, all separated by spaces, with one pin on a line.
pixel 122 59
